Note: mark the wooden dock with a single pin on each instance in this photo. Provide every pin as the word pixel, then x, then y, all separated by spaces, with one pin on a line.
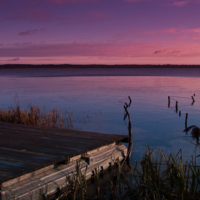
pixel 32 157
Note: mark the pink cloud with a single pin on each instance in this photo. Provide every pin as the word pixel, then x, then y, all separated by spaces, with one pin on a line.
pixel 111 49
pixel 104 60
pixel 14 59
pixel 137 32
pixel 197 30
pixel 196 38
pixel 184 37
pixel 181 31
pixel 179 3
pixel 181 51
pixel 169 52
pixel 135 1
pixel 151 32
pixel 169 36
pixel 170 30
pixel 160 51
pixel 80 49
pixel 67 1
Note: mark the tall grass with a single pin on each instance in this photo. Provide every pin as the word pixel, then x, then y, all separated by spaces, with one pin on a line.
pixel 159 176
pixel 156 177
pixel 34 116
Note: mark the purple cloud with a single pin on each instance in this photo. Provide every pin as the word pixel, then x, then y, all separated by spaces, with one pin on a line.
pixel 41 15
pixel 90 17
pixel 29 32
pixel 135 1
pixel 37 14
pixel 168 52
pixel 79 49
pixel 178 3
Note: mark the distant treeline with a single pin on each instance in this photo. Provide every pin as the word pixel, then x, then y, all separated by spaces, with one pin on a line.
pixel 15 66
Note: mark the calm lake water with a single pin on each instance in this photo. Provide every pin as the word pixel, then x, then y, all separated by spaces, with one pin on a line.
pixel 94 97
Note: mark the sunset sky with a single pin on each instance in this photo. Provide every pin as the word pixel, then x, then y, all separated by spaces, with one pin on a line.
pixel 100 31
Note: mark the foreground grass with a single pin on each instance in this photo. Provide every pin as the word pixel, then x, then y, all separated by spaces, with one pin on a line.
pixel 163 177
pixel 156 177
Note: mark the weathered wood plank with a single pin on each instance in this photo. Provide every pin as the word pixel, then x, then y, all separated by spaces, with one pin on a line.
pixel 24 149
pixel 64 140
pixel 66 136
pixel 42 130
pixel 48 182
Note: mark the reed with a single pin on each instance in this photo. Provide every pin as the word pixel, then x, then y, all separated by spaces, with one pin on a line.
pixel 34 116
pixel 156 177
pixel 77 187
pixel 162 177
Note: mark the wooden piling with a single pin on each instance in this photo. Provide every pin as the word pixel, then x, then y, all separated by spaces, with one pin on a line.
pixel 130 101
pixel 125 115
pixel 186 118
pixel 130 132
pixel 130 126
pixel 126 111
pixel 179 113
pixel 168 101
pixel 176 106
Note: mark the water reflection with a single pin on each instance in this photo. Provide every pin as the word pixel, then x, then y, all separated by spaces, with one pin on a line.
pixel 154 124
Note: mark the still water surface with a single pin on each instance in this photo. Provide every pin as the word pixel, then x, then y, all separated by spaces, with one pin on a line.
pixel 96 106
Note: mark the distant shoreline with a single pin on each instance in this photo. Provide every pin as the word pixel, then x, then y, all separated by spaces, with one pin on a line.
pixel 93 66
